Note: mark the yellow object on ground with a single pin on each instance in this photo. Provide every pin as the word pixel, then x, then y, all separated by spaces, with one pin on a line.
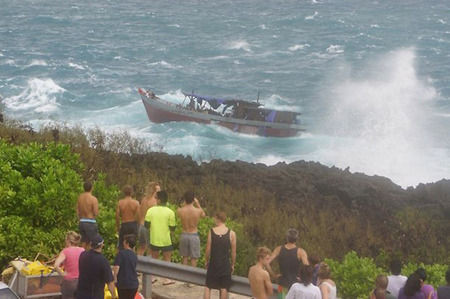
pixel 108 294
pixel 35 268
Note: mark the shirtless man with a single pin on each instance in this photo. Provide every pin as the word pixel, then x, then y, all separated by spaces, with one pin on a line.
pixel 127 212
pixel 190 214
pixel 146 203
pixel 258 276
pixel 87 210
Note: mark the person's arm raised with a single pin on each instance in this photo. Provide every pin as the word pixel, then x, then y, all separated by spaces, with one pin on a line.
pixel 273 256
pixel 197 203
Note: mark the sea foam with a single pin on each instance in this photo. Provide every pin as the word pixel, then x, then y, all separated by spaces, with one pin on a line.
pixel 298 47
pixel 39 96
pixel 239 45
pixel 312 16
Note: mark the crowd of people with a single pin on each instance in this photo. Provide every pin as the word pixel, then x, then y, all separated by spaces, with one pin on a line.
pixel 148 226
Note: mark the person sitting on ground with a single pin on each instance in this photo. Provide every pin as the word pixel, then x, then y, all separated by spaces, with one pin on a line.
pixel 326 285
pixel 94 273
pixel 127 215
pixel 87 211
pixel 161 221
pixel 426 289
pixel 190 215
pixel 147 202
pixel 69 257
pixel 304 289
pixel 395 280
pixel 411 290
pixel 289 258
pixel 444 291
pixel 124 269
pixel 258 276
pixel 220 245
pixel 380 291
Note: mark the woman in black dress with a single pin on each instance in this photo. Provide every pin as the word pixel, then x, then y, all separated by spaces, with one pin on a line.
pixel 221 244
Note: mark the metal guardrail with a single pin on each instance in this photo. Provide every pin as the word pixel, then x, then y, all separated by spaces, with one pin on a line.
pixel 147 265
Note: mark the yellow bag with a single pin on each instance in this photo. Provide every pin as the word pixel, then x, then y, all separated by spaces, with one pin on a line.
pixel 108 294
pixel 35 268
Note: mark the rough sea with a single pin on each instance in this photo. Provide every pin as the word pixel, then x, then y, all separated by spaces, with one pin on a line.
pixel 371 78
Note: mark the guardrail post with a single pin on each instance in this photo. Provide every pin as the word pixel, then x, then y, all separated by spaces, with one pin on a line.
pixel 147 286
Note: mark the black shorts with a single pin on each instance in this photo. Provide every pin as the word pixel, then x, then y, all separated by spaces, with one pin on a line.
pixel 88 230
pixel 127 228
pixel 161 248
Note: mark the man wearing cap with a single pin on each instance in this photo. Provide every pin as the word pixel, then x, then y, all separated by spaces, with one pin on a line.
pixel 94 273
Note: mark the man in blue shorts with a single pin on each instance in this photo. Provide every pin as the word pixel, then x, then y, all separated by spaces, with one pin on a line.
pixel 87 211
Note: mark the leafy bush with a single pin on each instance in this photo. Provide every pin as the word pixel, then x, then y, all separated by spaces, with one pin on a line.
pixel 39 186
pixel 107 197
pixel 354 276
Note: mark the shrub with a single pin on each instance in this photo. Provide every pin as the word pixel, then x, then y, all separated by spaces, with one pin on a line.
pixel 354 276
pixel 38 192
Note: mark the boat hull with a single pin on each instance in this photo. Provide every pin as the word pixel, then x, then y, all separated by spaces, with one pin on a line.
pixel 158 112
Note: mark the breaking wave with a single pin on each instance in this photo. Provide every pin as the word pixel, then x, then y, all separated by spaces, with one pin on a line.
pixel 39 96
pixel 379 122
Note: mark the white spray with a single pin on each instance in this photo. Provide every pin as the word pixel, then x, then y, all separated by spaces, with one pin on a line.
pixel 379 123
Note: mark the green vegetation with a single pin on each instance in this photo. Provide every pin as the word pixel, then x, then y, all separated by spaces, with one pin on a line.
pixel 38 190
pixel 335 212
pixel 355 276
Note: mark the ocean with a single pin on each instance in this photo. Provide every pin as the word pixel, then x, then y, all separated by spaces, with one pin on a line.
pixel 371 78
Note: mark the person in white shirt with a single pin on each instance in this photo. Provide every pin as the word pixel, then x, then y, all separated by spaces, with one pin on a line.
pixel 304 289
pixel 396 281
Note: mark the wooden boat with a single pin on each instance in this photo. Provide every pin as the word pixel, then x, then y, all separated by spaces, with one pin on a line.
pixel 237 115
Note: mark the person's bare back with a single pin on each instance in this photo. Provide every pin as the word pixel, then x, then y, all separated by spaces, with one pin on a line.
pixel 190 216
pixel 128 209
pixel 259 282
pixel 87 206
